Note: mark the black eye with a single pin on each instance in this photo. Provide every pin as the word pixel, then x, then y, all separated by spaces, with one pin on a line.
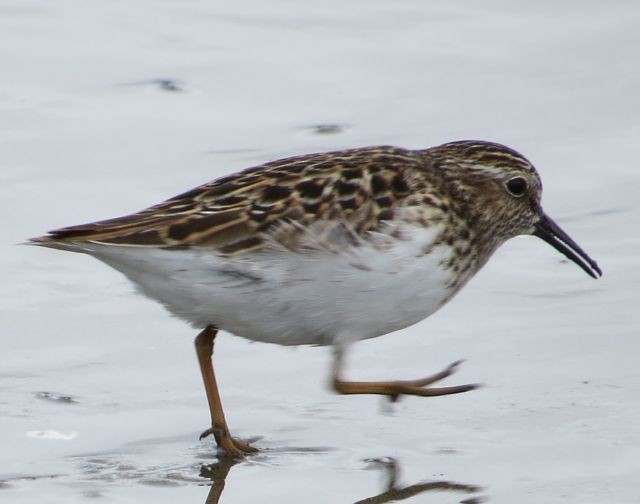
pixel 517 186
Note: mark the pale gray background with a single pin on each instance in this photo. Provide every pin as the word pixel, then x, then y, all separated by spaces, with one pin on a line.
pixel 86 133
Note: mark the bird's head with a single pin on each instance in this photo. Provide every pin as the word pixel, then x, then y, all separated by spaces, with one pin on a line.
pixel 501 191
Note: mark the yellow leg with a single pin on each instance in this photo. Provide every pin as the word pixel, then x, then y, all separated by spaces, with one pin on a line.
pixel 204 348
pixel 397 388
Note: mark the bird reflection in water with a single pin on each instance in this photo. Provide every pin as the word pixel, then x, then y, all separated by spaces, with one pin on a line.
pixel 395 493
pixel 218 472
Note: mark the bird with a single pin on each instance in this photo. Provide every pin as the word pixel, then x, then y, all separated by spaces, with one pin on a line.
pixel 326 249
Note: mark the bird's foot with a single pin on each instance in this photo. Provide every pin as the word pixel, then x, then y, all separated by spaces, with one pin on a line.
pixel 395 389
pixel 230 447
pixel 420 387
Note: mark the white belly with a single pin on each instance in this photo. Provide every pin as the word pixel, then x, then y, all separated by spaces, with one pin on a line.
pixel 288 298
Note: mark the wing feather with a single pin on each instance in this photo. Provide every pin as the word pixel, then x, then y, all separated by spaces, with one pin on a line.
pixel 358 188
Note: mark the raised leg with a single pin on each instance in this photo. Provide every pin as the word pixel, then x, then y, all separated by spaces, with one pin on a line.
pixel 204 348
pixel 395 389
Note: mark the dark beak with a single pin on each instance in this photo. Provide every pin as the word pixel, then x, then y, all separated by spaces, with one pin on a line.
pixel 550 232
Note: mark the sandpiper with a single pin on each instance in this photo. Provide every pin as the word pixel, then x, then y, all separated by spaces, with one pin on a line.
pixel 326 249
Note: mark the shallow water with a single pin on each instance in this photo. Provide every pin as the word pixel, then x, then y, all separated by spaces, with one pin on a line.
pixel 106 108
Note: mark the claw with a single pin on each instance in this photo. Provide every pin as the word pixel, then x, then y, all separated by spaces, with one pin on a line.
pixel 206 433
pixel 394 398
pixel 454 365
pixel 230 446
